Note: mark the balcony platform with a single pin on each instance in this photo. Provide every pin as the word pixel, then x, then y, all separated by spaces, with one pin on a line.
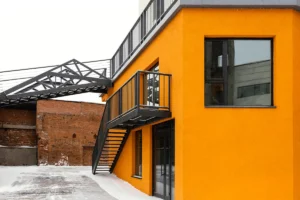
pixel 138 117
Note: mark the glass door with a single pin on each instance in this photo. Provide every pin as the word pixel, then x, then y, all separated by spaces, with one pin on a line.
pixel 163 161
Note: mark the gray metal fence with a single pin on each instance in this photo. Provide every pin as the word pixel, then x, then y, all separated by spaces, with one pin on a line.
pixel 151 16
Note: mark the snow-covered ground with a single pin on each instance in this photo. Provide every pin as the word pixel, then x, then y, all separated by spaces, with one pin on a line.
pixel 51 182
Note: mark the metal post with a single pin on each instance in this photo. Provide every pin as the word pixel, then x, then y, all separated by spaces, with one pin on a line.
pixel 108 110
pixel 169 86
pixel 120 101
pixel 143 26
pixel 225 73
pixel 153 89
pixel 162 7
pixel 105 72
pixel 137 89
pixel 129 43
pixel 121 55
pixel 112 67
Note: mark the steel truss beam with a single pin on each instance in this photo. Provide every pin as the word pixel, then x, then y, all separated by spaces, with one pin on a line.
pixel 72 77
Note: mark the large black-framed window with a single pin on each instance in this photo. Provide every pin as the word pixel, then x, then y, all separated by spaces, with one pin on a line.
pixel 138 154
pixel 238 72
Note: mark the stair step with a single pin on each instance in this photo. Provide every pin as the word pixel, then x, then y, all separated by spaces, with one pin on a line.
pixel 115 136
pixel 108 150
pixel 111 149
pixel 106 160
pixel 110 145
pixel 117 132
pixel 114 140
pixel 111 156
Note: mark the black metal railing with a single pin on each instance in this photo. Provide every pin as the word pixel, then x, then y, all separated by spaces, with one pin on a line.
pixel 148 20
pixel 144 90
pixel 12 78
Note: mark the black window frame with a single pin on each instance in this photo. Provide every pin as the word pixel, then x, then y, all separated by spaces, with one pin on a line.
pixel 225 62
pixel 138 154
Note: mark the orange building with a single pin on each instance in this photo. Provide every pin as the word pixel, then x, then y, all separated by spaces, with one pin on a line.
pixel 205 103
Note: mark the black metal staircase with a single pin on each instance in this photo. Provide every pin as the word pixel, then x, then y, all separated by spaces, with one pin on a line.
pixel 143 99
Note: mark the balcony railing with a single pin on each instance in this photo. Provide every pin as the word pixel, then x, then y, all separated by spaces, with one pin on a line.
pixel 143 91
pixel 148 20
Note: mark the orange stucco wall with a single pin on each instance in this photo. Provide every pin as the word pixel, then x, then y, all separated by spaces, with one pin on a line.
pixel 296 104
pixel 248 153
pixel 169 56
pixel 125 166
pixel 225 153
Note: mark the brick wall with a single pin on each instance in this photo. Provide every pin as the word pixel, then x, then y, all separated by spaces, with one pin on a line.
pixel 87 155
pixel 17 117
pixel 17 137
pixel 17 132
pixel 65 129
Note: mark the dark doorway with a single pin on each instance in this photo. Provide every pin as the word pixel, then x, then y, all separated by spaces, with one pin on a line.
pixel 164 160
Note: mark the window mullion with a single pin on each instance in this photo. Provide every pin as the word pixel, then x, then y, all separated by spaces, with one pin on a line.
pixel 225 70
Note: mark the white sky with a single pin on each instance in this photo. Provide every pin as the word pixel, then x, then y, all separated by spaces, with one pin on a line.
pixel 248 51
pixel 37 33
pixel 45 32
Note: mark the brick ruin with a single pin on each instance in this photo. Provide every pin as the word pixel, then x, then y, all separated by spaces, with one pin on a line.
pixel 56 133
pixel 17 137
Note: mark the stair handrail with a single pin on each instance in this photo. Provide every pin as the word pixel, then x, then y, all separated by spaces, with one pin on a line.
pixel 101 137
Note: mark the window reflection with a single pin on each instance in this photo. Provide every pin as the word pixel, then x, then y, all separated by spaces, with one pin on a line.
pixel 138 153
pixel 152 93
pixel 238 72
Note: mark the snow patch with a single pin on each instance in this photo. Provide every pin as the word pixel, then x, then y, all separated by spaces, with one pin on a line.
pixel 118 188
pixel 12 178
pixel 10 174
pixel 63 161
pixel 45 163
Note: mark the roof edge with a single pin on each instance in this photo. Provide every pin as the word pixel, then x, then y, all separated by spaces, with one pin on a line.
pixel 295 4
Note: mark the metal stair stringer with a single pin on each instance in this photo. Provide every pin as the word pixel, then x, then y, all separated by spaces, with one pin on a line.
pixel 120 150
pixel 109 145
